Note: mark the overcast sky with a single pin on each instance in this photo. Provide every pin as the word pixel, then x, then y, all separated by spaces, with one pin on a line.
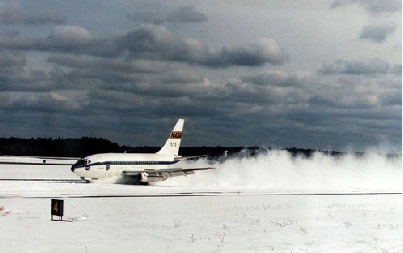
pixel 311 74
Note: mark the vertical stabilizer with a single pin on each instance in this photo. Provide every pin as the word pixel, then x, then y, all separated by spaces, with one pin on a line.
pixel 173 142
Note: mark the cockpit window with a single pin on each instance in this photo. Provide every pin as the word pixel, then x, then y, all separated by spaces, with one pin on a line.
pixel 81 162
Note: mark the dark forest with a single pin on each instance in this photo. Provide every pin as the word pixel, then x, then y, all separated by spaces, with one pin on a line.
pixel 73 147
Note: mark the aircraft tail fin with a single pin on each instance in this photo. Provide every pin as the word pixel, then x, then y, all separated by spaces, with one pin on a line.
pixel 173 142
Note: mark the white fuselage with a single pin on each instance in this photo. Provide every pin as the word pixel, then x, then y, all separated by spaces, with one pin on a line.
pixel 114 164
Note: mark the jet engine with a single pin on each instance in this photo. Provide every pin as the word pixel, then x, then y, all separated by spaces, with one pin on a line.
pixel 144 177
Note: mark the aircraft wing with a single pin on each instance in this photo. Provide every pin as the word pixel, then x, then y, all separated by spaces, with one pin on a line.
pixel 180 158
pixel 150 175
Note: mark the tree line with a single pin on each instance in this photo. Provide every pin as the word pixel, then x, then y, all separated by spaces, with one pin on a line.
pixel 81 147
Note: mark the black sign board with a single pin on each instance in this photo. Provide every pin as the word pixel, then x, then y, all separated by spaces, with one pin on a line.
pixel 57 206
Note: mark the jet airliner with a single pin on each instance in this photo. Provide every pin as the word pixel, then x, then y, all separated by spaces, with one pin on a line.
pixel 137 167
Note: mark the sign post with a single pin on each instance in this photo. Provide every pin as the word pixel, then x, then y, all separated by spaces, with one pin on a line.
pixel 57 208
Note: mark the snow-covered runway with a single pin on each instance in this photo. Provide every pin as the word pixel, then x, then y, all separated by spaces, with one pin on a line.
pixel 187 215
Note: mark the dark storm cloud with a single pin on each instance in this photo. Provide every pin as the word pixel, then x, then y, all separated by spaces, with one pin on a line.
pixel 392 99
pixel 23 80
pixel 358 95
pixel 273 93
pixel 61 38
pixel 150 42
pixel 328 126
pixel 397 70
pixel 181 14
pixel 277 78
pixel 26 89
pixel 14 14
pixel 372 67
pixel 374 7
pixel 292 104
pixel 377 33
pixel 256 54
pixel 156 42
pixel 11 59
pixel 360 107
pixel 121 65
pixel 15 76
pixel 188 14
pixel 42 101
pixel 71 39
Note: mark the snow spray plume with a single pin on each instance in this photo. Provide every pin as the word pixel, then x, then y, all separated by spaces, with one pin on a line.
pixel 279 171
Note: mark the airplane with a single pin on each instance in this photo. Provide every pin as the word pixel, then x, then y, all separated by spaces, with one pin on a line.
pixel 137 168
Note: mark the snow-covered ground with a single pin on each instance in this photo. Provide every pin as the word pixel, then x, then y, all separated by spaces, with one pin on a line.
pixel 245 205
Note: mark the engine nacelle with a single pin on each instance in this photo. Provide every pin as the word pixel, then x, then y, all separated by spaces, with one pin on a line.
pixel 144 177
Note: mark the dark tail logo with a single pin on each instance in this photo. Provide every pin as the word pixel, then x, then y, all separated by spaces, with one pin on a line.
pixel 175 135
